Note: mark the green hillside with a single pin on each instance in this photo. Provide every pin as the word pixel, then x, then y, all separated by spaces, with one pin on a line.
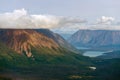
pixel 46 64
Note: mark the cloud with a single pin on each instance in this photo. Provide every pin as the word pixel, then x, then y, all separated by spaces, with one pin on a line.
pixel 105 20
pixel 103 23
pixel 21 19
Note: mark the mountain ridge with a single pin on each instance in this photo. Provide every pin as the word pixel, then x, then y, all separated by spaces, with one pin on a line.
pixel 95 38
pixel 22 40
pixel 58 39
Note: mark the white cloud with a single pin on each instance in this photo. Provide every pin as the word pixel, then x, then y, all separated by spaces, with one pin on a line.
pixel 105 20
pixel 21 19
pixel 103 23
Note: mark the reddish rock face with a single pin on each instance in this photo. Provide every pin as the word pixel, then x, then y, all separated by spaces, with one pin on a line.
pixel 22 40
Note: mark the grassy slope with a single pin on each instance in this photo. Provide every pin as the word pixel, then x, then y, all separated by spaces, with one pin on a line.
pixel 9 58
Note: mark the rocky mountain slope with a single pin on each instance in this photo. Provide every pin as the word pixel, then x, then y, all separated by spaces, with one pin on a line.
pixel 23 40
pixel 37 46
pixel 95 38
pixel 58 39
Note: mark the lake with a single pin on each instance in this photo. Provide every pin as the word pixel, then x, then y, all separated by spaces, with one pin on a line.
pixel 82 48
pixel 90 53
pixel 93 53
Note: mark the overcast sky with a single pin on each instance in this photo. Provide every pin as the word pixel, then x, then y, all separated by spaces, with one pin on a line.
pixel 93 11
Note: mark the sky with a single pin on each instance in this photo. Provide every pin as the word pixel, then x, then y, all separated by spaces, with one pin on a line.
pixel 59 14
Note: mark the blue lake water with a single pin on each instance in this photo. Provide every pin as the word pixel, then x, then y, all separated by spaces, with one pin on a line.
pixel 93 53
pixel 90 53
pixel 82 48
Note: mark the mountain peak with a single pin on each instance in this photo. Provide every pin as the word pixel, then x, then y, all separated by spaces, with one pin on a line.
pixel 22 40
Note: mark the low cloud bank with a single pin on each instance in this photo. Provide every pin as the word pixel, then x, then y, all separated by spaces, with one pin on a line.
pixel 21 19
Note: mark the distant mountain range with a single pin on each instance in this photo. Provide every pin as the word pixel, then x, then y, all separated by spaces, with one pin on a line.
pixel 96 39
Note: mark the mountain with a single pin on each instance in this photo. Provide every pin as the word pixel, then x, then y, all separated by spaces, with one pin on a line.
pixel 110 55
pixel 23 40
pixel 26 54
pixel 58 39
pixel 35 45
pixel 96 38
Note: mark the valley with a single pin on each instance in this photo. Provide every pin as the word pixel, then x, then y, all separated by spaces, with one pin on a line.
pixel 23 59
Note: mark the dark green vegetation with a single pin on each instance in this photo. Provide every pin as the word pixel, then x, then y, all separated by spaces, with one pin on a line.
pixel 110 55
pixel 107 69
